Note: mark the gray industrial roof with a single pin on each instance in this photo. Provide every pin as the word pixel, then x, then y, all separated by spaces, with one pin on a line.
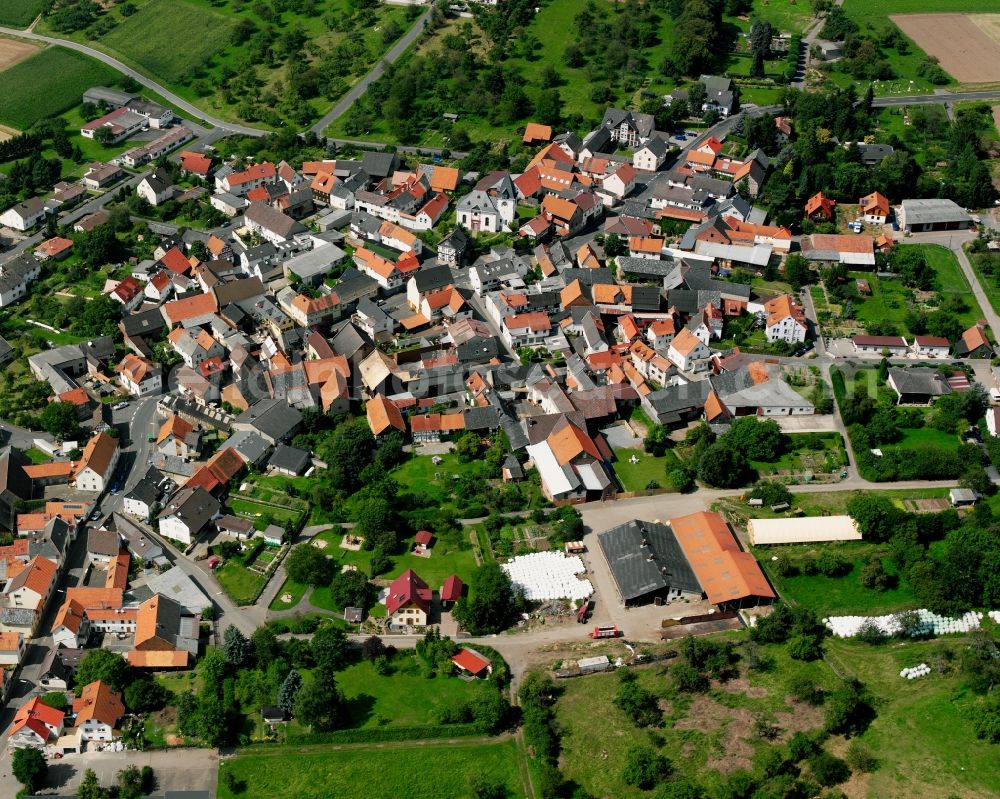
pixel 646 557
pixel 928 212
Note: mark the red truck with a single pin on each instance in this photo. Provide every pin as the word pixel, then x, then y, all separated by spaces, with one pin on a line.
pixel 605 632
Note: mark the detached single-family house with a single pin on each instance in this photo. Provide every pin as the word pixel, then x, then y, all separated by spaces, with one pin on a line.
pixel 931 347
pixel 98 711
pixel 156 188
pixel 99 461
pixel 973 343
pixel 140 376
pixel 688 352
pixel 24 216
pixel 71 627
pixel 875 208
pixel 651 156
pixel 187 514
pixel 35 724
pixel 917 386
pixel 785 320
pixel 11 649
pixel 408 602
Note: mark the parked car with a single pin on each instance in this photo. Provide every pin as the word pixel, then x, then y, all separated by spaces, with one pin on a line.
pixel 119 405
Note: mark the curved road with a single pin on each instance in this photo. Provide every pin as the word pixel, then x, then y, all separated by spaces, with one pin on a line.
pixel 163 91
pixel 374 74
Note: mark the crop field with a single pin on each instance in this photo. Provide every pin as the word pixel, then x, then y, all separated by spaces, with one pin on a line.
pixel 968 46
pixel 863 11
pixel 20 13
pixel 413 770
pixel 14 50
pixel 150 38
pixel 48 83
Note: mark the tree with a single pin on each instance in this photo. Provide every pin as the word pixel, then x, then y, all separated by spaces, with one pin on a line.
pixel 657 440
pixel 484 786
pixel 289 690
pixel 489 606
pixel 104 665
pixel 874 576
pixel 351 589
pixel 236 647
pixel 468 447
pixel 644 767
pixel 59 419
pixel 828 769
pixel 330 648
pixel 145 695
pixel 89 787
pixel 797 271
pixel 307 564
pixel 29 768
pixel 722 467
pixel 320 704
pixel 849 711
pixel 373 647
pixel 756 440
pixel 637 703
pixel 876 516
pixel 130 783
pixel 56 699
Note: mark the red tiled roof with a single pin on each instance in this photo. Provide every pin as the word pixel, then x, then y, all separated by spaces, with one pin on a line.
pixel 408 589
pixel 470 661
pixel 451 591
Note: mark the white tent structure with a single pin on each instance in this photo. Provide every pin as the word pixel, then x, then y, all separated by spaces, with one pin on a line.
pixel 803 530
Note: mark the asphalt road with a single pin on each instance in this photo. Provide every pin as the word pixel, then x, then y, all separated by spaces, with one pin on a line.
pixel 373 75
pixel 938 97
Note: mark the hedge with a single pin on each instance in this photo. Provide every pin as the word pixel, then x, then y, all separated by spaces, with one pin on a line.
pixel 386 734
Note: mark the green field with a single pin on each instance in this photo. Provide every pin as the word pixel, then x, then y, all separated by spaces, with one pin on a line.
pixel 20 13
pixel 259 512
pixel 786 16
pixel 239 582
pixel 152 38
pixel 409 770
pixel 702 735
pixel 862 11
pixel 922 736
pixel 405 697
pixel 890 298
pixel 836 596
pixel 637 476
pixel 47 84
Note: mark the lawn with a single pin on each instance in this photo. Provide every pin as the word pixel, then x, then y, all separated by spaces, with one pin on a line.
pixel 836 596
pixel 927 436
pixel 47 84
pixel 297 590
pixel 403 698
pixel 638 476
pixel 701 733
pixel 20 13
pixel 922 736
pixel 786 16
pixel 37 456
pixel 990 285
pixel 239 582
pixel 822 503
pixel 410 770
pixel 149 38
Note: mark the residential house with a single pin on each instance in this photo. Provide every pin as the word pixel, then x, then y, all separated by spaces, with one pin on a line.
pixel 688 352
pixel 820 207
pixel 99 175
pixel 917 386
pixel 128 292
pixel 784 320
pixel 166 635
pixel 71 627
pixel 875 208
pixel 25 215
pixel 179 438
pixel 32 587
pixel 571 464
pixel 11 650
pixel 383 416
pixel 99 460
pixel 35 725
pixel 651 155
pixel 140 376
pixel 16 274
pixel 98 710
pixel 194 345
pixel 187 514
pixel 408 603
pixel 721 95
pixel 893 345
pixel 156 188
pixel 931 347
pixel 271 224
pixel 54 249
pixel 242 182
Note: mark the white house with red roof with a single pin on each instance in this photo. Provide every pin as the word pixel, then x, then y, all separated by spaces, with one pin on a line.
pixel 408 602
pixel 35 724
pixel 129 293
pixel 240 183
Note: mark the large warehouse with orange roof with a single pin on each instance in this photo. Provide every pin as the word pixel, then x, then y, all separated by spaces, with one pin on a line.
pixel 694 556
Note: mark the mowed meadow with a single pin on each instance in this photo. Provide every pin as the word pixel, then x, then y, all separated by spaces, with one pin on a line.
pixel 48 84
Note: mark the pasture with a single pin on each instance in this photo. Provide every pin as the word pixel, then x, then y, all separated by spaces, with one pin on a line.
pixel 968 46
pixel 150 39
pixel 47 84
pixel 415 770
pixel 20 13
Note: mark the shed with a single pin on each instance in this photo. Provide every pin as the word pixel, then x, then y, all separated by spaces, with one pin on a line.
pixel 470 661
pixel 290 461
pixel 272 714
pixel 962 497
pixel 354 615
pixel 802 530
